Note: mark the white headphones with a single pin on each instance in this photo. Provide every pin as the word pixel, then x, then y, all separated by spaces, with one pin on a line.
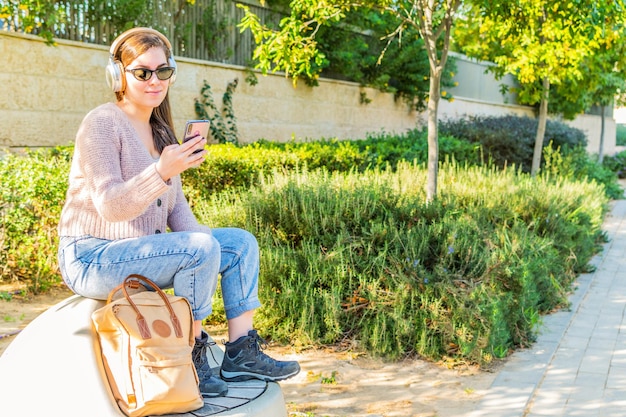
pixel 115 69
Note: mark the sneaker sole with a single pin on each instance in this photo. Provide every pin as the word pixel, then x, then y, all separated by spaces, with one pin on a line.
pixel 246 376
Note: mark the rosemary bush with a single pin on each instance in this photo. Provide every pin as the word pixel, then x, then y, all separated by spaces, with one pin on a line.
pixel 362 256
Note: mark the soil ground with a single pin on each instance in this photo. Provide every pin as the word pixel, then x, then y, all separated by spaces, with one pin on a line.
pixel 332 383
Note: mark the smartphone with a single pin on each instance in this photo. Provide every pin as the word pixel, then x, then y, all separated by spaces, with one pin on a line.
pixel 194 128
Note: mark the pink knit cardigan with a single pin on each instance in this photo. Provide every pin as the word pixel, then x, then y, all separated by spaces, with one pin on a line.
pixel 115 191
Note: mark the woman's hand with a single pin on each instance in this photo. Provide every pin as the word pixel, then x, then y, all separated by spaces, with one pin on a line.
pixel 178 158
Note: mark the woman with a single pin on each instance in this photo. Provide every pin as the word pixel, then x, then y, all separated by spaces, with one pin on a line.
pixel 125 191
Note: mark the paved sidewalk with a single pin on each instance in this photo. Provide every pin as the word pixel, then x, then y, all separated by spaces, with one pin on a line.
pixel 577 367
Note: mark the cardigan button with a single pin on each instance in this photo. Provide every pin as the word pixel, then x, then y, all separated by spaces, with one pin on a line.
pixel 159 202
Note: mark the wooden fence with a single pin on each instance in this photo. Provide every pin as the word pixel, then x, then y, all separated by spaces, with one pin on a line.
pixel 206 30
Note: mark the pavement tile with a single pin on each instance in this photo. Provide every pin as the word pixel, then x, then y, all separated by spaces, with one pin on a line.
pixel 596 361
pixel 548 404
pixel 616 380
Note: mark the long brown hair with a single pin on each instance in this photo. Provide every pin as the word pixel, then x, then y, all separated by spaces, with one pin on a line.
pixel 161 119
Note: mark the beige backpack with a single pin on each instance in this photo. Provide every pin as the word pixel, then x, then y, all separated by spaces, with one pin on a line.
pixel 146 339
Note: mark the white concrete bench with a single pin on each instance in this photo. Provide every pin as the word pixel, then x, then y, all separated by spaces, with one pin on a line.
pixel 52 369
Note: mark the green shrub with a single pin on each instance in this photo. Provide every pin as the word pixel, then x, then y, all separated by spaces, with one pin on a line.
pixel 331 154
pixel 389 149
pixel 382 150
pixel 616 164
pixel 576 164
pixel 31 197
pixel 620 135
pixel 377 150
pixel 229 166
pixel 510 140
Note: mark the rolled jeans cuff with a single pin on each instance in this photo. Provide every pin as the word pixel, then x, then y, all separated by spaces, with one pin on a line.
pixel 243 307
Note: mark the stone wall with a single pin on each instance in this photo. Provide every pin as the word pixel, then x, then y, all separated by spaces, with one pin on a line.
pixel 47 90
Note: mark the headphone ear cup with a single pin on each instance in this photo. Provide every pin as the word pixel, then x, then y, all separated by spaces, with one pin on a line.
pixel 172 64
pixel 114 75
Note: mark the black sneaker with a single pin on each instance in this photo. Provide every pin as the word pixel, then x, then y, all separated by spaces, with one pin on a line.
pixel 210 385
pixel 244 360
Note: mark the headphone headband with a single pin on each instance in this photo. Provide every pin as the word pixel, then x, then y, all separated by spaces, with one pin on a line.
pixel 125 35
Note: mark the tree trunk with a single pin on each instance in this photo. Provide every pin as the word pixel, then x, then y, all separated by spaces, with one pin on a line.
pixel 433 134
pixel 541 128
pixel 429 13
pixel 601 150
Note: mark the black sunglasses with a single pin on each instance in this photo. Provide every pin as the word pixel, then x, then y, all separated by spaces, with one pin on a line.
pixel 144 74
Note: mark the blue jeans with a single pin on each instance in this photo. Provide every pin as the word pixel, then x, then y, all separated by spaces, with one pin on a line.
pixel 188 262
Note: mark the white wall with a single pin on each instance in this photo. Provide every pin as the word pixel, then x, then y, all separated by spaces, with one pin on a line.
pixel 619 114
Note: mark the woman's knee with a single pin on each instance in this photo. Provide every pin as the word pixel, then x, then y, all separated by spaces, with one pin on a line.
pixel 250 240
pixel 206 247
pixel 236 240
